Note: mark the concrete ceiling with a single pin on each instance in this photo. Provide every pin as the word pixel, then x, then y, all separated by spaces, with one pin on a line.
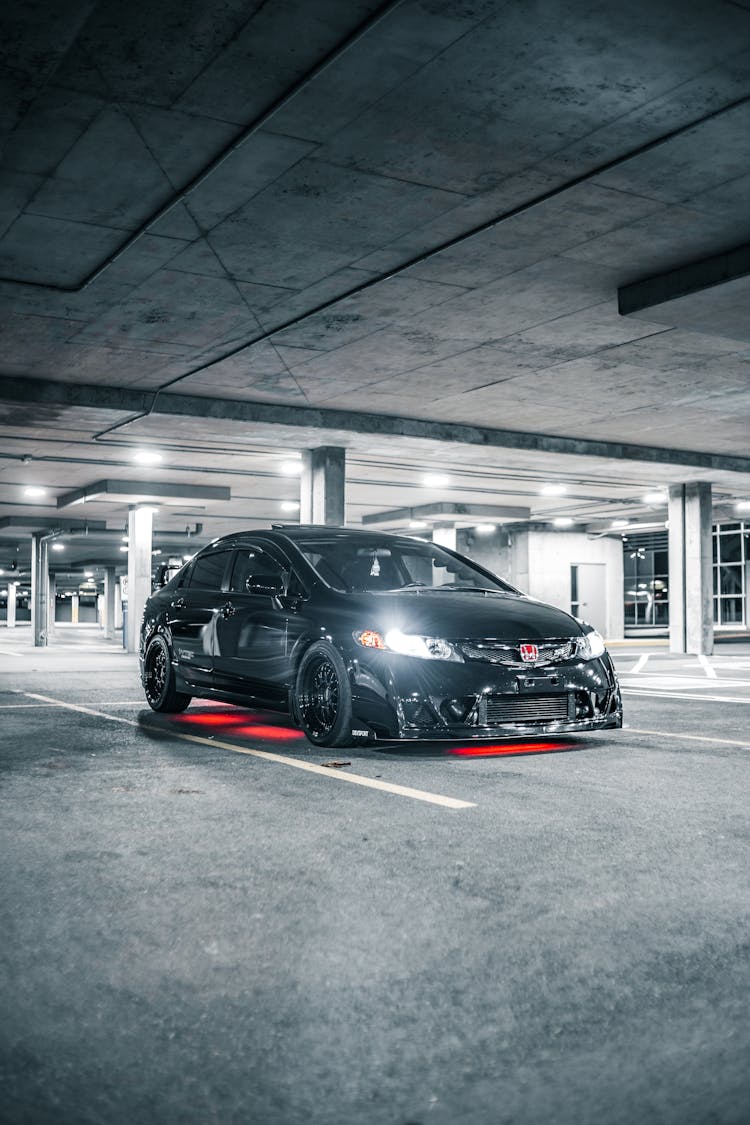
pixel 233 232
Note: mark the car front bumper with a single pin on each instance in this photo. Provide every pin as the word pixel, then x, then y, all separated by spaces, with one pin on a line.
pixel 396 697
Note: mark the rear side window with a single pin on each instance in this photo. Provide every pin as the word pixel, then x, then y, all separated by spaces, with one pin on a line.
pixel 208 570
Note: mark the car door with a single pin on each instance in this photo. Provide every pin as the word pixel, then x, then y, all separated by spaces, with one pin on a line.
pixel 252 628
pixel 192 615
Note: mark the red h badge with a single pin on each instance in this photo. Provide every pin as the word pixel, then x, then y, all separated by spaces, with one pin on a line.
pixel 529 653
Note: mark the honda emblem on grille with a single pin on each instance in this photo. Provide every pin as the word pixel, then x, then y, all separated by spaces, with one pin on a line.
pixel 529 653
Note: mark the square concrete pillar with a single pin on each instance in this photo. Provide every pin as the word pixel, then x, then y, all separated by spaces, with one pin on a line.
pixel 10 620
pixel 108 608
pixel 691 619
pixel 39 589
pixel 445 537
pixel 323 485
pixel 140 524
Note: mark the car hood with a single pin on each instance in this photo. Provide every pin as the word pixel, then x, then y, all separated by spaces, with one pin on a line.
pixel 459 614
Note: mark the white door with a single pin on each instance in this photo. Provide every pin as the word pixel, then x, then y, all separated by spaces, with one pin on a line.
pixel 588 594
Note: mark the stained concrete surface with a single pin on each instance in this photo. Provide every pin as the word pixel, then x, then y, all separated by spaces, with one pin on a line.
pixel 194 935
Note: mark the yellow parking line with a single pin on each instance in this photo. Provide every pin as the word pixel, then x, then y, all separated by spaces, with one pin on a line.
pixel 267 755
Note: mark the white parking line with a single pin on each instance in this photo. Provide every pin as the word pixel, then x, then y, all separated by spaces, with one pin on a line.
pixel 640 663
pixel 690 737
pixel 703 661
pixel 311 767
pixel 687 695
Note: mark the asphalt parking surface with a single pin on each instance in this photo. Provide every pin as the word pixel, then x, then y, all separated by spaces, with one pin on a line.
pixel 197 927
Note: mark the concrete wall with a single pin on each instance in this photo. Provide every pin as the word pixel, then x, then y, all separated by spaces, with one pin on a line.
pixel 539 562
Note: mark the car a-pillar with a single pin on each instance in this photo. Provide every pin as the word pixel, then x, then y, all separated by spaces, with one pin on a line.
pixel 691 627
pixel 140 528
pixel 323 486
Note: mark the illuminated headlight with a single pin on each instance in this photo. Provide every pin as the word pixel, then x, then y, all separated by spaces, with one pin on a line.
pixel 590 645
pixel 408 644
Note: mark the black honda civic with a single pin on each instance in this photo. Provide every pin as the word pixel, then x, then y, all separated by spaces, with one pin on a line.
pixel 363 635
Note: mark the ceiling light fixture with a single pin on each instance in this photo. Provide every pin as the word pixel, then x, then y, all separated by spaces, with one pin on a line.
pixel 553 489
pixel 58 546
pixel 290 505
pixel 655 498
pixel 147 456
pixel 124 548
pixel 436 480
pixel 620 523
pixel 34 490
pixel 485 528
pixel 291 468
pixel 742 506
pixel 563 521
pixel 417 525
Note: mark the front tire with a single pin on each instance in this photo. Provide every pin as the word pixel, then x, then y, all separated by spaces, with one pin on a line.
pixel 158 679
pixel 322 702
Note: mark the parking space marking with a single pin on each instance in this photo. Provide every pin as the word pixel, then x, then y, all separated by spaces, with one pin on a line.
pixel 267 755
pixel 690 737
pixel 703 661
pixel 640 663
pixel 687 695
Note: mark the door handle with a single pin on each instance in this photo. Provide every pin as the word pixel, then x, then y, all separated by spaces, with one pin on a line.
pixel 227 610
pixel 178 603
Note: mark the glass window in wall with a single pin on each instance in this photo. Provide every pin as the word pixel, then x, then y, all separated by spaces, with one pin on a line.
pixel 731 555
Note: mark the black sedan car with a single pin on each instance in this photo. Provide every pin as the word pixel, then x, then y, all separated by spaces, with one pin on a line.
pixel 365 635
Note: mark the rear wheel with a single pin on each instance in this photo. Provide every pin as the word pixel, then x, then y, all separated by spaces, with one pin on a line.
pixel 159 679
pixel 322 702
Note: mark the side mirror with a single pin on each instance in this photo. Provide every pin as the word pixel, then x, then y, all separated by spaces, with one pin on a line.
pixel 269 584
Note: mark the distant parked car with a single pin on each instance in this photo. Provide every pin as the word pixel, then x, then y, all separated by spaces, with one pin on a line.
pixel 366 635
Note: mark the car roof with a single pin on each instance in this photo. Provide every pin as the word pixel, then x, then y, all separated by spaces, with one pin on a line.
pixel 305 533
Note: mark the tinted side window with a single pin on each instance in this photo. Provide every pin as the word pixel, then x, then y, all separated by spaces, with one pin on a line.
pixel 254 561
pixel 208 571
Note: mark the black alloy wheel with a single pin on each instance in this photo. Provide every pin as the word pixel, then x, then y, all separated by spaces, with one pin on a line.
pixel 159 679
pixel 323 696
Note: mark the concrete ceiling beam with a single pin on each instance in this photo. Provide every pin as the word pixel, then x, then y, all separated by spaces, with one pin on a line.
pixel 337 422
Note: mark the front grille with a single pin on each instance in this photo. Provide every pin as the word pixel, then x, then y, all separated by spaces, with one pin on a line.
pixel 526 708
pixel 497 652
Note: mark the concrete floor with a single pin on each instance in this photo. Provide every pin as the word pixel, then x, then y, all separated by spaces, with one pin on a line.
pixel 196 935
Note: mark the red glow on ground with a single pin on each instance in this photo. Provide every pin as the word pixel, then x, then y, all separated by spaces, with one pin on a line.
pixel 238 722
pixel 275 734
pixel 507 748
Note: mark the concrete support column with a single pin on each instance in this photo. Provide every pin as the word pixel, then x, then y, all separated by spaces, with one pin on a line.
pixel 51 606
pixel 75 604
pixel 39 589
pixel 108 608
pixel 691 627
pixel 140 523
pixel 322 486
pixel 445 537
pixel 10 620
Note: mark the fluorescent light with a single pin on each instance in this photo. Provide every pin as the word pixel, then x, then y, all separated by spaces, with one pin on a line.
pixel 486 528
pixel 742 506
pixel 291 468
pixel 563 521
pixel 147 456
pixel 620 523
pixel 126 538
pixel 417 525
pixel 290 505
pixel 88 574
pixel 436 480
pixel 655 498
pixel 58 546
pixel 34 490
pixel 156 552
pixel 123 548
pixel 553 489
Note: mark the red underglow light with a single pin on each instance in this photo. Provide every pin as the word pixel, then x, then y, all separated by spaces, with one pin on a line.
pixel 508 748
pixel 274 734
pixel 215 719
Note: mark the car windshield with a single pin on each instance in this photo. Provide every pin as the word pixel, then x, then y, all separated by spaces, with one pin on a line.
pixel 395 564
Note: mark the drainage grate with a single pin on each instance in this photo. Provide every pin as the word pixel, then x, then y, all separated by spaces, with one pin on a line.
pixel 526 708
